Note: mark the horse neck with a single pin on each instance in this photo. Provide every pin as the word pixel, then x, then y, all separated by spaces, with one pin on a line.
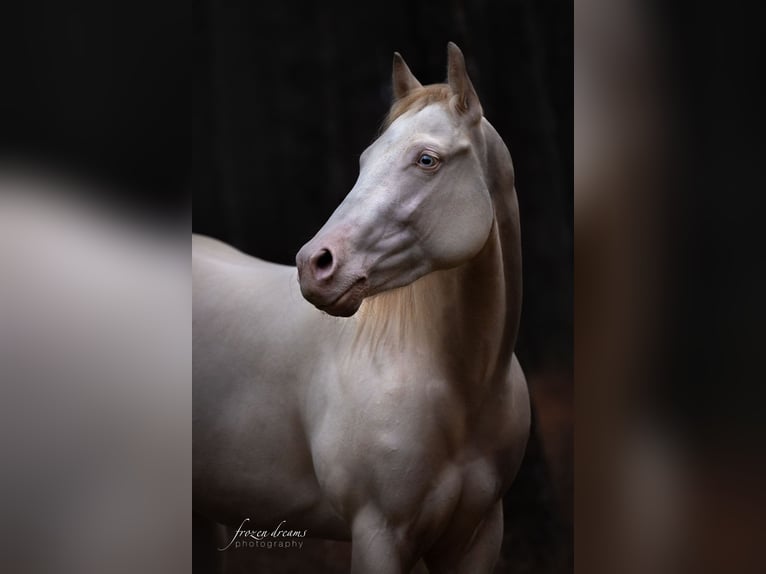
pixel 460 321
pixel 499 173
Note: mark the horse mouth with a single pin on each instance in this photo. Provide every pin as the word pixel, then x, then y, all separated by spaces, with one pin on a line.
pixel 349 301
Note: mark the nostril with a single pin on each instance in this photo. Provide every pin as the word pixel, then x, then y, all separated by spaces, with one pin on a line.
pixel 324 261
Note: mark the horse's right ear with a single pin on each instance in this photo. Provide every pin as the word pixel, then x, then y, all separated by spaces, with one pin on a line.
pixel 404 81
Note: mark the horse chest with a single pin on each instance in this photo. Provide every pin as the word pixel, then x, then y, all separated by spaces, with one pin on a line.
pixel 410 447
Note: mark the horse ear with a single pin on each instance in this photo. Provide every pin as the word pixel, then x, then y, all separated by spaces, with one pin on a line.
pixel 404 81
pixel 466 100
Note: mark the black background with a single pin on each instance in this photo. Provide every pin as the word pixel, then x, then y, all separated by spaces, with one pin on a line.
pixel 101 90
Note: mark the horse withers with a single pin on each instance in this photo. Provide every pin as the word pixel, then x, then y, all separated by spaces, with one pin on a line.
pixel 371 394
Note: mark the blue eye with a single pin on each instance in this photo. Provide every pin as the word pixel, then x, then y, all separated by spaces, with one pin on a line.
pixel 428 161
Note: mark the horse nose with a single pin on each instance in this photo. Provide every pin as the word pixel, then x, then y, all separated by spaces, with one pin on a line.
pixel 318 267
pixel 322 265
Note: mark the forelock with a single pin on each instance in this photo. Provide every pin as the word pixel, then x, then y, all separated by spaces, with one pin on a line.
pixel 416 100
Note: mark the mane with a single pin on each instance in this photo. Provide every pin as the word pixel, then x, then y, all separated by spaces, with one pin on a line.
pixel 397 317
pixel 416 100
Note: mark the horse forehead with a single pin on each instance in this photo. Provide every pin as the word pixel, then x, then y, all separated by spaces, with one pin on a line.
pixel 433 120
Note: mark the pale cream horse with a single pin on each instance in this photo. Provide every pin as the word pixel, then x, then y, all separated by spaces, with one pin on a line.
pixel 400 427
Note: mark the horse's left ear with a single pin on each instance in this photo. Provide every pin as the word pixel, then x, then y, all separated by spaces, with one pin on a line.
pixel 466 100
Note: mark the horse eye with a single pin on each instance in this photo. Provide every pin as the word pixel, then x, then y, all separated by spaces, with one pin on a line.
pixel 427 161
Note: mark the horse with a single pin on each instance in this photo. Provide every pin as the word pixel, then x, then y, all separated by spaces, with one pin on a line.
pixel 371 392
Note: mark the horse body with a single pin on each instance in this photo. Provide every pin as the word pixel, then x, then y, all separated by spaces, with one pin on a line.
pixel 401 426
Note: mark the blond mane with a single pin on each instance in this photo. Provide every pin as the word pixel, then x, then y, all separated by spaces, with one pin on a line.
pixel 402 316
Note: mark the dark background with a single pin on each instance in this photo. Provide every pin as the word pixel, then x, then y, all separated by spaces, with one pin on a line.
pixel 285 100
pixel 100 90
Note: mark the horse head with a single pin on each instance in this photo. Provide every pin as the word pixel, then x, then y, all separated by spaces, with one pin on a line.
pixel 421 201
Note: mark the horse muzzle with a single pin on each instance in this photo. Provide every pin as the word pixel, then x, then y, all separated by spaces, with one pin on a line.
pixel 326 285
